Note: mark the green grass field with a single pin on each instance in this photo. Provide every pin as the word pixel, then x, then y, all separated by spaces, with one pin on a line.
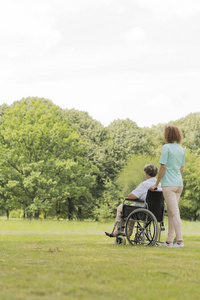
pixel 75 260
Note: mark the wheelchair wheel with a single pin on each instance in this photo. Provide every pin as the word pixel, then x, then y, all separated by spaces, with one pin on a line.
pixel 120 240
pixel 141 228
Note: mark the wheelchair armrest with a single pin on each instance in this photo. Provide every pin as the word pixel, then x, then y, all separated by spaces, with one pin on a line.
pixel 133 200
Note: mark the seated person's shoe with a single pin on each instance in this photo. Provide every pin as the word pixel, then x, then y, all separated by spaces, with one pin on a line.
pixel 110 234
pixel 114 234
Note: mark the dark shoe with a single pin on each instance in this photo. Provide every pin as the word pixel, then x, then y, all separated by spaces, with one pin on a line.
pixel 110 234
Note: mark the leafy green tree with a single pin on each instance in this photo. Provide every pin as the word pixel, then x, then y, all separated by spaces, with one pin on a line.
pixel 6 201
pixel 156 135
pixel 107 205
pixel 3 107
pixel 190 199
pixel 94 134
pixel 42 161
pixel 190 126
pixel 65 163
pixel 124 139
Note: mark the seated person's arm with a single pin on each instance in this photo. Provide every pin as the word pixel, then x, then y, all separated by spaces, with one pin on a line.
pixel 132 196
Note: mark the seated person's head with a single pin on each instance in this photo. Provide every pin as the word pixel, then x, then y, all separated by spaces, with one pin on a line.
pixel 151 170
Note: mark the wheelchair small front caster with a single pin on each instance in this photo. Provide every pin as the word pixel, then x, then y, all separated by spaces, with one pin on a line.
pixel 120 240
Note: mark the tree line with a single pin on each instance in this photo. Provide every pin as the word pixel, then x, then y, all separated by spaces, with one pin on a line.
pixel 62 163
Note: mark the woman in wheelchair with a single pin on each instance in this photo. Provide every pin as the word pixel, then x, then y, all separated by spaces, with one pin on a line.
pixel 140 192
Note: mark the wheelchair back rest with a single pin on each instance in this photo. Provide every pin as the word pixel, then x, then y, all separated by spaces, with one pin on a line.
pixel 155 201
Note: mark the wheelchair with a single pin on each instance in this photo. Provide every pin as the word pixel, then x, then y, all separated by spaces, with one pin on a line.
pixel 143 225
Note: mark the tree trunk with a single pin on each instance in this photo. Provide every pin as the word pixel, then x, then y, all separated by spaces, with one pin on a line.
pixel 70 208
pixel 7 214
pixel 80 213
pixel 195 215
pixel 37 213
pixel 30 216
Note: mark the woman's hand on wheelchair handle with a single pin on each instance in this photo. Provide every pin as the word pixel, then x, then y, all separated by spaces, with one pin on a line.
pixel 153 188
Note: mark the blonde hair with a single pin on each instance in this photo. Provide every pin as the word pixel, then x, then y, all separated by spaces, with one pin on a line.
pixel 151 170
pixel 173 134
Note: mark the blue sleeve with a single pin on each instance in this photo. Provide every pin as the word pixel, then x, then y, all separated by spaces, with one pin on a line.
pixel 164 155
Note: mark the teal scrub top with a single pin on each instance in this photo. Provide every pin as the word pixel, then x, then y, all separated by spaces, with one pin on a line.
pixel 173 156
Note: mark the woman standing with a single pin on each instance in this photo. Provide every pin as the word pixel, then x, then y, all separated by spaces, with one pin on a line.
pixel 172 161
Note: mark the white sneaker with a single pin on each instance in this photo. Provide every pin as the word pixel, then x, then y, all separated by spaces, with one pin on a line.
pixel 165 244
pixel 181 245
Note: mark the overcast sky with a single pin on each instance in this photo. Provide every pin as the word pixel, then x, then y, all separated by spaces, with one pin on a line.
pixel 115 59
